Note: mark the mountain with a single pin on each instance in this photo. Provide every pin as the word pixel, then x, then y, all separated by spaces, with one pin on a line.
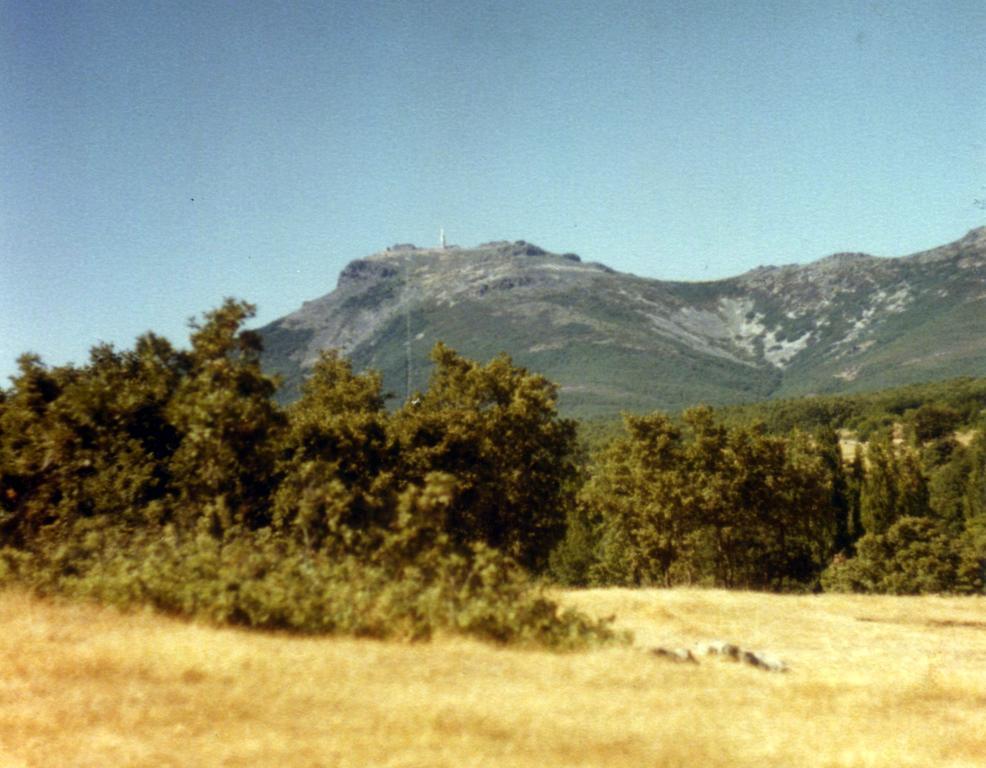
pixel 615 341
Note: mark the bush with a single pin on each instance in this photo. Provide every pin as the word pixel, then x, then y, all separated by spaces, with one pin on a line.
pixel 413 587
pixel 495 427
pixel 573 560
pixel 257 580
pixel 916 555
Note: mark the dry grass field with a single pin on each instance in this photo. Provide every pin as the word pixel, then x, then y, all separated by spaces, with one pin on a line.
pixel 874 681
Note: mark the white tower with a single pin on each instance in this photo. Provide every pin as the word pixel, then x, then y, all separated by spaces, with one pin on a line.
pixel 441 237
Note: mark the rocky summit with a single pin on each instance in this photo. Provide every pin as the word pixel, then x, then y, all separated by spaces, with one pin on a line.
pixel 615 341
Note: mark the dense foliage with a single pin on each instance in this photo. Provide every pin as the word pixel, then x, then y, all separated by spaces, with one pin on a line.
pixel 923 411
pixel 906 495
pixel 727 503
pixel 924 513
pixel 927 411
pixel 702 503
pixel 172 478
pixel 494 428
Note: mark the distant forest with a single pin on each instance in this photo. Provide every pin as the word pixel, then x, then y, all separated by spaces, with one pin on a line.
pixel 173 478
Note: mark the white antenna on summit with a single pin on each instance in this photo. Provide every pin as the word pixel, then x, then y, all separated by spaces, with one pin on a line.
pixel 441 237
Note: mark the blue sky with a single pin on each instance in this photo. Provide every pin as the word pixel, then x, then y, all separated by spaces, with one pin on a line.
pixel 158 156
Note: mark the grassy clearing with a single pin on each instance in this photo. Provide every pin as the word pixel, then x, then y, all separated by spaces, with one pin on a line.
pixel 875 681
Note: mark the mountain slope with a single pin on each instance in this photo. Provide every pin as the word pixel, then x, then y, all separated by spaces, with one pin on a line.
pixel 615 341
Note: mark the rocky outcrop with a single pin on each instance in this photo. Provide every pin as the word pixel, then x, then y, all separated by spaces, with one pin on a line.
pixel 364 270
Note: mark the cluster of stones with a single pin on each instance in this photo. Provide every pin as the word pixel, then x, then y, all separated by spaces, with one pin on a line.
pixel 722 649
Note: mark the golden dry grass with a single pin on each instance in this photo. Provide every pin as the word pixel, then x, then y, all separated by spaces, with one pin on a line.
pixel 875 681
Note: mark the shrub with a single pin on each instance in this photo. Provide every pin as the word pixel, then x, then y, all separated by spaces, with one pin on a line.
pixel 573 560
pixel 915 555
pixel 495 427
pixel 414 587
pixel 258 580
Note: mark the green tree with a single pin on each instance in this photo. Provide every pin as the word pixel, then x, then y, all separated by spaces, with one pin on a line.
pixel 915 555
pixel 855 480
pixel 934 421
pixel 496 429
pixel 878 496
pixel 29 455
pixel 710 508
pixel 913 497
pixel 146 477
pixel 947 488
pixel 226 417
pixel 575 558
pixel 974 499
pixel 807 512
pixel 830 452
pixel 775 525
pixel 336 463
pixel 895 486
pixel 84 448
pixel 636 490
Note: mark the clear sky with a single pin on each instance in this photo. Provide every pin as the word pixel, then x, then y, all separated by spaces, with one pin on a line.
pixel 158 156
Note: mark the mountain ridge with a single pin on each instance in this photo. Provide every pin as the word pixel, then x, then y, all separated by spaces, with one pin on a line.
pixel 615 341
